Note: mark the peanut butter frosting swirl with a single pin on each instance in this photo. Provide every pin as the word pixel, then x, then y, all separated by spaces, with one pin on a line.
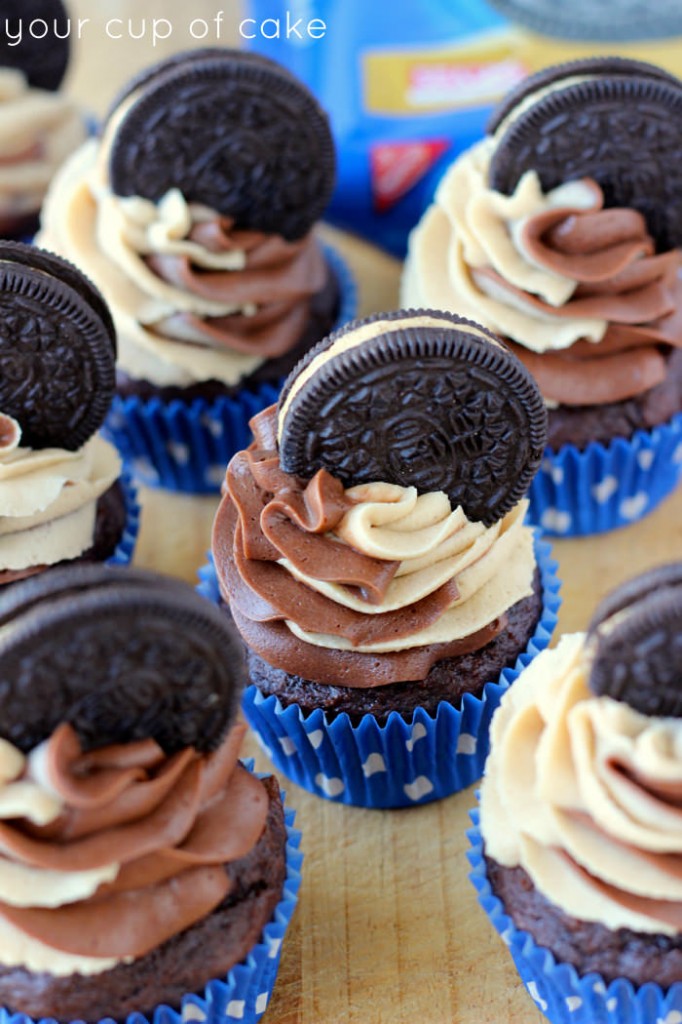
pixel 38 131
pixel 105 855
pixel 578 290
pixel 322 579
pixel 585 794
pixel 48 498
pixel 193 298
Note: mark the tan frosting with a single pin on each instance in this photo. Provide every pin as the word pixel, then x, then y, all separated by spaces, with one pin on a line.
pixel 104 855
pixel 38 130
pixel 578 291
pixel 48 499
pixel 433 544
pixel 192 299
pixel 471 226
pixel 585 794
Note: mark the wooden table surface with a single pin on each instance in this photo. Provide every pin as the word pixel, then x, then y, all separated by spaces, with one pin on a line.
pixel 387 930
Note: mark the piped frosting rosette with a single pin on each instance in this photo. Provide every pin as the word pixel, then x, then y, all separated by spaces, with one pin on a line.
pixel 390 554
pixel 582 281
pixel 580 807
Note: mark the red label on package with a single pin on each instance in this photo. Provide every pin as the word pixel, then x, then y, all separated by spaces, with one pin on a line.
pixel 397 166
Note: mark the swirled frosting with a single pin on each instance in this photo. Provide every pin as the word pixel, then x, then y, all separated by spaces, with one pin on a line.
pixel 363 586
pixel 48 499
pixel 38 130
pixel 107 854
pixel 193 298
pixel 585 794
pixel 578 290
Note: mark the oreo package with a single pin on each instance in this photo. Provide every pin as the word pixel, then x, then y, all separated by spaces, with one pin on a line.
pixel 407 93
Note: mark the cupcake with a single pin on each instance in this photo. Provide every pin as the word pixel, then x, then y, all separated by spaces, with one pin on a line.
pixel 194 213
pixel 561 231
pixel 147 875
pixel 576 861
pixel 39 126
pixel 63 493
pixel 372 549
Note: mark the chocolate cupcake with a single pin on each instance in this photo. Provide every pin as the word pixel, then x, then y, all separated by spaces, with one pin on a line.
pixel 561 232
pixel 146 874
pixel 576 860
pixel 194 212
pixel 63 493
pixel 372 550
pixel 39 126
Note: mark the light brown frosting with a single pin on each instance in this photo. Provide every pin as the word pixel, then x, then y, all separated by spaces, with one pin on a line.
pixel 577 290
pixel 192 297
pixel 322 579
pixel 38 130
pixel 105 855
pixel 48 498
pixel 585 794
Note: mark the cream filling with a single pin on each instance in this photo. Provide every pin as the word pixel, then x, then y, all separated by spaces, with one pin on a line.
pixel 107 235
pixel 470 226
pixel 48 501
pixel 358 336
pixel 30 117
pixel 553 747
pixel 493 566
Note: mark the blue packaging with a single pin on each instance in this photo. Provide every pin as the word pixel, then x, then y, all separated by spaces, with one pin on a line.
pixel 410 85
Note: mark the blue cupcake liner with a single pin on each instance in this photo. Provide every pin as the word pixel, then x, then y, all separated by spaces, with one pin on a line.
pixel 243 995
pixel 123 552
pixel 401 763
pixel 576 493
pixel 563 995
pixel 186 447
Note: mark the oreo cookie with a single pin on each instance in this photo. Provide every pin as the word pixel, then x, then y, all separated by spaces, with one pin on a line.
pixel 120 654
pixel 584 67
pixel 417 398
pixel 634 643
pixel 57 349
pixel 233 131
pixel 42 58
pixel 595 127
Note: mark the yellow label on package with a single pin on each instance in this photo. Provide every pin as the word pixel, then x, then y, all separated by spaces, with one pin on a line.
pixel 470 74
pixel 478 71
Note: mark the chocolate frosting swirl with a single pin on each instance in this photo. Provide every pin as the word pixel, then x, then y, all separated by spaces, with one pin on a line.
pixel 279 279
pixel 167 826
pixel 278 540
pixel 578 291
pixel 620 278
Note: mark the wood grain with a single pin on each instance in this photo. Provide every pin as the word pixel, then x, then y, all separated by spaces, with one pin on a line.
pixel 388 930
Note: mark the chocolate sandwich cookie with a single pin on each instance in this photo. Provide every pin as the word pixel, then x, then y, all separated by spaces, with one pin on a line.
pixel 269 167
pixel 120 654
pixel 584 67
pixel 416 398
pixel 635 643
pixel 57 349
pixel 593 128
pixel 43 59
